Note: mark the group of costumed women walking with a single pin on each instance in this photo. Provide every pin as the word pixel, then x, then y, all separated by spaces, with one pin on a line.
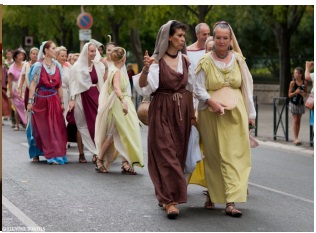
pixel 95 93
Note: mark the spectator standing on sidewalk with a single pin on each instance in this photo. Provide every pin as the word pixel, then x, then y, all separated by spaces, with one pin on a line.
pixel 297 91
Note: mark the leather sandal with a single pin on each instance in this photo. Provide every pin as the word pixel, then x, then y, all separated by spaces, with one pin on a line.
pixel 94 159
pixel 127 169
pixel 101 168
pixel 208 204
pixel 172 211
pixel 82 159
pixel 35 159
pixel 232 211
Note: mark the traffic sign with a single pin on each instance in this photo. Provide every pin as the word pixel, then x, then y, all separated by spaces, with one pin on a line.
pixel 84 20
pixel 85 34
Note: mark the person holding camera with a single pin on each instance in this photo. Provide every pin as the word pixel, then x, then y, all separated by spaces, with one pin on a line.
pixel 297 91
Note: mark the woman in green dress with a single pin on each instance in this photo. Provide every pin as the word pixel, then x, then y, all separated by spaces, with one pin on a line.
pixel 224 121
pixel 117 128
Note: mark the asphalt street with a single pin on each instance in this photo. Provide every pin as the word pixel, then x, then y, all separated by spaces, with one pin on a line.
pixel 74 197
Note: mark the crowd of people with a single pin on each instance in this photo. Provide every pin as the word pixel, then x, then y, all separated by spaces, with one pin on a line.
pixel 86 98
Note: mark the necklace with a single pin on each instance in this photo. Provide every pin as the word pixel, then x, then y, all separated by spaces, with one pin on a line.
pixel 50 72
pixel 221 57
pixel 172 56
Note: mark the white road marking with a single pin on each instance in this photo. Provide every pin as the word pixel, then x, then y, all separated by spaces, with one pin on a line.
pixel 280 192
pixel 29 223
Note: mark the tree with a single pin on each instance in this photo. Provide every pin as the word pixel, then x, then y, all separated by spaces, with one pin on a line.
pixel 284 22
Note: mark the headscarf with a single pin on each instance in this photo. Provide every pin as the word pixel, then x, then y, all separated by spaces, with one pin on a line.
pixel 234 41
pixel 40 54
pixel 162 41
pixel 80 79
pixel 97 43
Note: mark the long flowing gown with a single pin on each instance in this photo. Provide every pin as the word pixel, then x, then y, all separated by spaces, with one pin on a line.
pixel 48 124
pixel 86 111
pixel 6 109
pixel 18 103
pixel 111 121
pixel 168 134
pixel 225 138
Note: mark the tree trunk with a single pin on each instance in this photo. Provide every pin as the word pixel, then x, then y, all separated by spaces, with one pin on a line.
pixel 136 47
pixel 284 39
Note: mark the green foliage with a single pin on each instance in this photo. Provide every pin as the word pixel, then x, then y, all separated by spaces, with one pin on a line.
pixel 254 27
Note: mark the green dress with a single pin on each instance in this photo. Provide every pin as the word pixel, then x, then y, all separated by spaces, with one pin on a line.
pixel 225 138
pixel 111 120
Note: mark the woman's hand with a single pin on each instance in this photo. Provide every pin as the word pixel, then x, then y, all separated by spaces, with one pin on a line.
pixel 71 105
pixel 193 121
pixel 29 107
pixel 125 106
pixel 215 106
pixel 252 123
pixel 147 61
pixel 20 93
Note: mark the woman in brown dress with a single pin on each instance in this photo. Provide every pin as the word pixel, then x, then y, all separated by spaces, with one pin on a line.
pixel 166 77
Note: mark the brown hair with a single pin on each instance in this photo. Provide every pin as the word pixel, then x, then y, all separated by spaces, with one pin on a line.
pixel 47 45
pixel 117 54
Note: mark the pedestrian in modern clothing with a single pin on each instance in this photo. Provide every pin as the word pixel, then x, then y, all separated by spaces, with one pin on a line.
pixel 117 128
pixel 14 73
pixel 86 80
pixel 46 105
pixel 297 91
pixel 168 78
pixel 225 132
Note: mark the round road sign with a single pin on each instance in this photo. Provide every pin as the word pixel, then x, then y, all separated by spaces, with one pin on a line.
pixel 84 20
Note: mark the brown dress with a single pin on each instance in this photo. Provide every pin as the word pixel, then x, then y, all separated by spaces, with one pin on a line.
pixel 168 134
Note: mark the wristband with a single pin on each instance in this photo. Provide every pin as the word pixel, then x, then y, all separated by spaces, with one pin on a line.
pixel 30 101
pixel 121 97
pixel 73 97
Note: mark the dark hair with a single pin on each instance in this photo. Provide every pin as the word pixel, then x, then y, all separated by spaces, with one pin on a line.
pixel 301 71
pixel 177 25
pixel 17 52
pixel 47 45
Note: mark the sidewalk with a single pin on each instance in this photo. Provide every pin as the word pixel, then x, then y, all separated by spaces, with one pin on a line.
pixel 265 127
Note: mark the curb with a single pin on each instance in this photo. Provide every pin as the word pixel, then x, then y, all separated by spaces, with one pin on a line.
pixel 287 147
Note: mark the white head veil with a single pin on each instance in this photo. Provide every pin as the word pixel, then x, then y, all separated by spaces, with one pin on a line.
pixel 80 79
pixel 40 54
